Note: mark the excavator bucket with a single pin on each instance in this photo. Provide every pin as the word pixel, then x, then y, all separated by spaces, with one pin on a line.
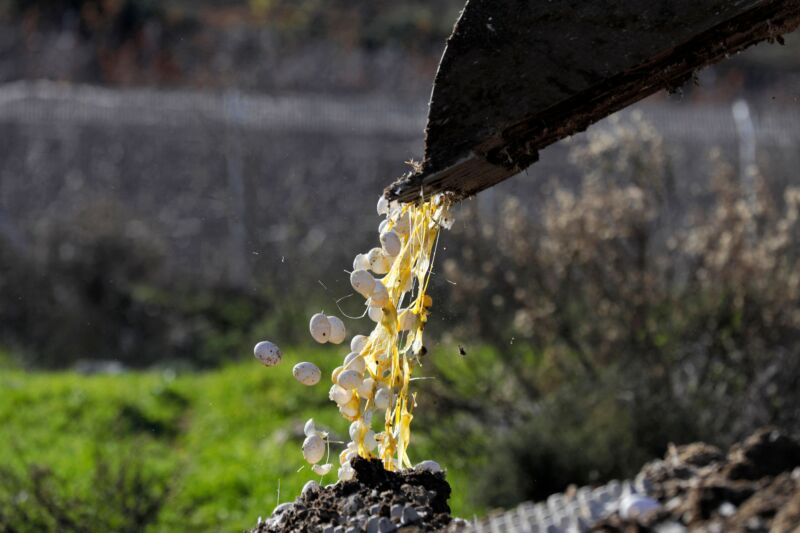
pixel 518 75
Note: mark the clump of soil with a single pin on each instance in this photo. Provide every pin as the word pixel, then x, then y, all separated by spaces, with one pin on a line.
pixel 754 487
pixel 375 501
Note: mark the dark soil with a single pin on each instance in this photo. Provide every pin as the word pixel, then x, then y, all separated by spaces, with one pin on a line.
pixel 754 487
pixel 374 494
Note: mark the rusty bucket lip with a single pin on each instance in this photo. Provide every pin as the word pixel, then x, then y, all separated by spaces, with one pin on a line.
pixel 502 152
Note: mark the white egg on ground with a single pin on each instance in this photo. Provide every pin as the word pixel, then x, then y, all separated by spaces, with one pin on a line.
pixel 391 243
pixel 307 373
pixel 635 505
pixel 349 380
pixel 346 472
pixel 268 353
pixel 310 486
pixel 322 470
pixel 338 331
pixel 320 328
pixel 363 282
pixel 380 295
pixel 313 449
pixel 361 262
pixel 358 343
pixel 374 313
pixel 428 466
pixel 383 397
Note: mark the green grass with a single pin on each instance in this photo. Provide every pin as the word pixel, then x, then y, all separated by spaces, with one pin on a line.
pixel 224 440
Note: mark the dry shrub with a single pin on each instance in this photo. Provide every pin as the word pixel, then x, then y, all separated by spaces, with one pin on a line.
pixel 681 308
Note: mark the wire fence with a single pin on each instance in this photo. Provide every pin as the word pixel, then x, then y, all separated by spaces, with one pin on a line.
pixel 226 179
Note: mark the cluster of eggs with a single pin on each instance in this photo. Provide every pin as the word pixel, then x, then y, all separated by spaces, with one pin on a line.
pixel 375 374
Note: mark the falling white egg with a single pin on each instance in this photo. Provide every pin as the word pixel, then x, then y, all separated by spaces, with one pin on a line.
pixel 391 243
pixel 313 449
pixel 365 389
pixel 320 328
pixel 338 331
pixel 374 313
pixel 307 373
pixel 358 343
pixel 383 397
pixel 363 282
pixel 268 353
pixel 380 295
pixel 349 379
pixel 322 470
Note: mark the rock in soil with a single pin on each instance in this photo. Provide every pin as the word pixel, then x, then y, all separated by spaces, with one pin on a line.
pixel 375 501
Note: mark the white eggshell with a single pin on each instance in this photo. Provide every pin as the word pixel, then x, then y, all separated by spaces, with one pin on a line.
pixel 406 320
pixel 357 363
pixel 349 379
pixel 346 473
pixel 368 416
pixel 382 226
pixel 383 397
pixel 380 295
pixel 363 282
pixel 428 466
pixel 374 313
pixel 369 440
pixel 320 328
pixel 322 470
pixel 361 262
pixel 358 343
pixel 383 206
pixel 402 223
pixel 338 331
pixel 355 429
pixel 365 389
pixel 310 486
pixel 340 395
pixel 306 373
pixel 310 429
pixel 391 243
pixel 313 449
pixel 635 505
pixel 268 353
pixel 379 263
pixel 348 410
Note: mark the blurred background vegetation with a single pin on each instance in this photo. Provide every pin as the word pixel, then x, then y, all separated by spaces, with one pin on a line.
pixel 179 180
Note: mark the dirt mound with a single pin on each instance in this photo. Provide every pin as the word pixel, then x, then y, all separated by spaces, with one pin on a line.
pixel 755 487
pixel 376 501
